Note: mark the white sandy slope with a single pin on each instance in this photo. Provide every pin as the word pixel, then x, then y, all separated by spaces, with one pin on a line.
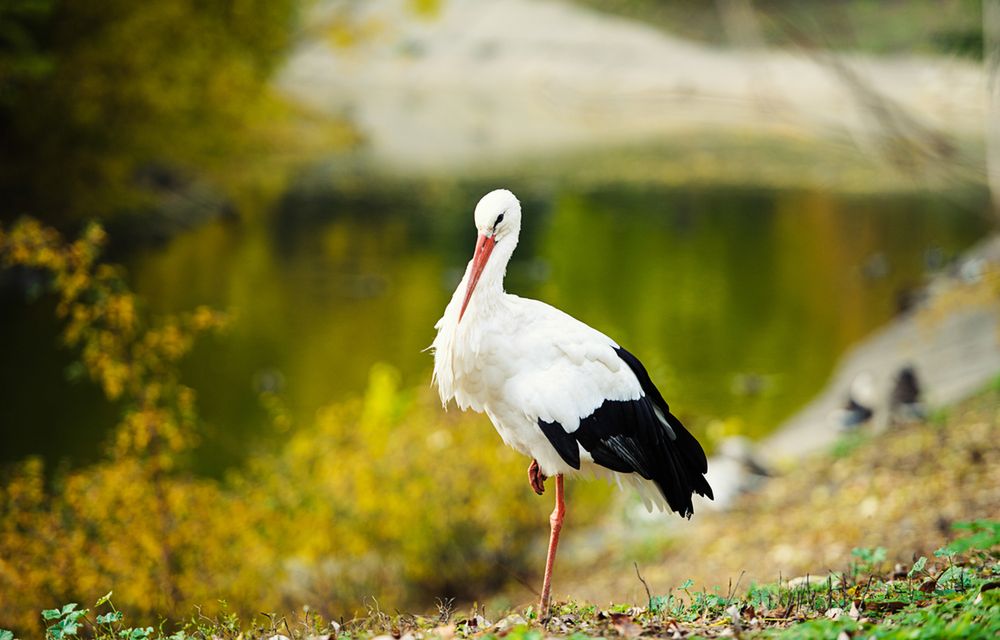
pixel 483 82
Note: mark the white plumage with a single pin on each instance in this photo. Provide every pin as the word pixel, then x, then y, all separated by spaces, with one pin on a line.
pixel 557 390
pixel 530 361
pixel 520 360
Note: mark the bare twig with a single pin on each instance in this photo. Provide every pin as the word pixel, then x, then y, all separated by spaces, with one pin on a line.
pixel 733 588
pixel 649 596
pixel 524 583
pixel 445 607
pixel 864 597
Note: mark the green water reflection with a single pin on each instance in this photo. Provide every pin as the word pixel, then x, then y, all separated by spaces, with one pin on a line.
pixel 739 301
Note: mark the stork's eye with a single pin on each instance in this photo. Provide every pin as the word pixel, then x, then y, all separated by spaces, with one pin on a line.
pixel 499 220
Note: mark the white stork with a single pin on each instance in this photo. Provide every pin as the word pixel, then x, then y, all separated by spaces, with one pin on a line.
pixel 563 394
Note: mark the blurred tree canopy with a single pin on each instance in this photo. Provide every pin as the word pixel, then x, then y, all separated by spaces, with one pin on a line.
pixel 93 93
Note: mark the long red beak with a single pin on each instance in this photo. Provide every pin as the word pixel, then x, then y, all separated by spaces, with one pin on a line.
pixel 484 247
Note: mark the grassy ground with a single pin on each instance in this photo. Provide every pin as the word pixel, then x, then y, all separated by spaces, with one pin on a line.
pixel 890 536
pixel 956 594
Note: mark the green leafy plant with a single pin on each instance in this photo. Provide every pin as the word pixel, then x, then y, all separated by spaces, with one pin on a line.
pixel 67 621
pixel 868 559
pixel 917 567
pixel 981 534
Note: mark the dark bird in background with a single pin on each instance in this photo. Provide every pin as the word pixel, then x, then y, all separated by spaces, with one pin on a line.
pixel 905 404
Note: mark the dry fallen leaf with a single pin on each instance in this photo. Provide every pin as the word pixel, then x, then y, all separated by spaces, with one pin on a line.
pixel 734 616
pixel 887 605
pixel 623 624
pixel 505 624
pixel 854 613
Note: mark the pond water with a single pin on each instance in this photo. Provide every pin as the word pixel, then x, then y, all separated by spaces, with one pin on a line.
pixel 739 301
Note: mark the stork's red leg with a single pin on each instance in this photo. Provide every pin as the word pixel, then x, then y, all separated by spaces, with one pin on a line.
pixel 555 521
pixel 536 478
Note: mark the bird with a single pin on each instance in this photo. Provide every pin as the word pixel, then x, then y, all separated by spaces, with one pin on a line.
pixel 556 390
pixel 737 469
pixel 858 408
pixel 905 404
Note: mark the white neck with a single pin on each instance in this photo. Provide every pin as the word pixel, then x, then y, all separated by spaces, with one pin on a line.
pixel 455 337
pixel 489 290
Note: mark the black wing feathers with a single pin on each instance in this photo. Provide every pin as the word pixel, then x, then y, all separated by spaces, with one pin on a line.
pixel 564 443
pixel 627 436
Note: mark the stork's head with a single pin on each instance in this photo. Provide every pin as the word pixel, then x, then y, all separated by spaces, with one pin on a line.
pixel 498 220
pixel 498 215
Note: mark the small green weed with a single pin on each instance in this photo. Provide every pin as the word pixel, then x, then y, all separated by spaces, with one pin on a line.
pixel 67 621
pixel 982 534
pixel 868 559
pixel 71 622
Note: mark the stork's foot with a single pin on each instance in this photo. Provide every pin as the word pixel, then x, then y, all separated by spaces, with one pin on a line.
pixel 536 478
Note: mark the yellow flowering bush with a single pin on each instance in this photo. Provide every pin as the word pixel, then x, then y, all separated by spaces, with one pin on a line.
pixel 390 497
pixel 383 496
pixel 133 520
pixel 160 543
pixel 129 356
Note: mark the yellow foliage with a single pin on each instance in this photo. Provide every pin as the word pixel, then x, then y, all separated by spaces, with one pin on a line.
pixel 388 496
pixel 382 496
pixel 130 357
pixel 159 544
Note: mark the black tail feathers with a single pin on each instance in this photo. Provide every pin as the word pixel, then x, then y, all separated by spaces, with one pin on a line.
pixel 681 461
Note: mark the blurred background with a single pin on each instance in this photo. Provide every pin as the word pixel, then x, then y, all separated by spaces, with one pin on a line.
pixel 740 192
